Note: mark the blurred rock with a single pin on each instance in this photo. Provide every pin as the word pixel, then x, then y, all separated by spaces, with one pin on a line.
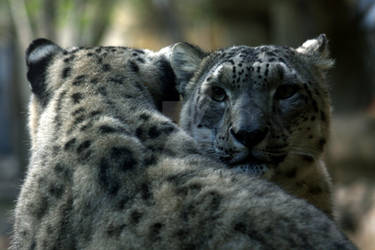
pixel 351 153
pixel 355 204
pixel 351 161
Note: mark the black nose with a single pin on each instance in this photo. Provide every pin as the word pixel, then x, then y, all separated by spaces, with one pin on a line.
pixel 249 136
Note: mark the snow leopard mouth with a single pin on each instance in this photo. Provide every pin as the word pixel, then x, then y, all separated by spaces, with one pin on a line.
pixel 257 163
pixel 250 165
pixel 251 169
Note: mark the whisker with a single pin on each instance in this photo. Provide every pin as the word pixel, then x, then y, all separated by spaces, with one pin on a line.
pixel 310 150
pixel 313 156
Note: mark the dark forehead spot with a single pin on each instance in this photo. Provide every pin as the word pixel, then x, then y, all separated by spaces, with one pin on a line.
pixel 66 72
pixel 86 126
pixel 79 119
pixel 84 145
pixel 78 80
pixel 77 97
pixel 78 111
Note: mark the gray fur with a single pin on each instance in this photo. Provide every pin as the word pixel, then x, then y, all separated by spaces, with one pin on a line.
pixel 274 117
pixel 108 171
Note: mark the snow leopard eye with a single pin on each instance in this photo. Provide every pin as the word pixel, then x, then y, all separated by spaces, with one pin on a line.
pixel 217 94
pixel 286 91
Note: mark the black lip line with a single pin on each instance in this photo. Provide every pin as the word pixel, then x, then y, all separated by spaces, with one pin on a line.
pixel 248 160
pixel 251 159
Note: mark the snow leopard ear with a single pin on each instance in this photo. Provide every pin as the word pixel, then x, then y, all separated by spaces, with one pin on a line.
pixel 38 56
pixel 317 50
pixel 185 60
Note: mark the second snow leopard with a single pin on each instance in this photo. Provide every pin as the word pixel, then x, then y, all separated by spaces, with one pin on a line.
pixel 109 171
pixel 264 111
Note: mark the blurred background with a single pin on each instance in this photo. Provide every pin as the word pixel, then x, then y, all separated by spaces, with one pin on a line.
pixel 211 24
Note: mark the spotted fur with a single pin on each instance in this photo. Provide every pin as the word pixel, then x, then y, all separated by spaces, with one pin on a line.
pixel 264 111
pixel 108 171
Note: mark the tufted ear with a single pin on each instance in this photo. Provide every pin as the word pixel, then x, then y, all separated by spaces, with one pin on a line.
pixel 185 60
pixel 38 56
pixel 160 70
pixel 317 49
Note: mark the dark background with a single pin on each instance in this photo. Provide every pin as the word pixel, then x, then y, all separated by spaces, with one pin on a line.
pixel 349 25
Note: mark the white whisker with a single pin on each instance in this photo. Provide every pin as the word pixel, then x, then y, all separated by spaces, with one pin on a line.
pixel 303 151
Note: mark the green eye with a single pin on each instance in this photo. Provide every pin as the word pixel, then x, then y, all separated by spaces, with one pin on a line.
pixel 218 94
pixel 286 91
